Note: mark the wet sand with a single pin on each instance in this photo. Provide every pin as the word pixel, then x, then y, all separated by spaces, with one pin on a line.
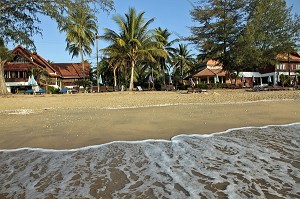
pixel 73 121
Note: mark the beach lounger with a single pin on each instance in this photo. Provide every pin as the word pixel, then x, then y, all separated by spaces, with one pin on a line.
pixel 103 89
pixel 41 91
pixel 64 90
pixel 30 91
pixel 195 90
pixel 75 90
pixel 110 88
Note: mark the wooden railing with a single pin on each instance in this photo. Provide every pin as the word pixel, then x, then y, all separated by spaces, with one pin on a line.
pixel 16 80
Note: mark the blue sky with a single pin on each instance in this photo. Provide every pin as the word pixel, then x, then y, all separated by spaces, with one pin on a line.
pixel 171 14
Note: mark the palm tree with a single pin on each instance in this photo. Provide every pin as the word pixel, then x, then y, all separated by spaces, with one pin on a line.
pixel 135 42
pixel 167 45
pixel 183 60
pixel 80 28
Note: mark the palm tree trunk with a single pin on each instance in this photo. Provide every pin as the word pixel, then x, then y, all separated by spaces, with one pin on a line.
pixel 82 62
pixel 131 76
pixel 3 89
pixel 115 76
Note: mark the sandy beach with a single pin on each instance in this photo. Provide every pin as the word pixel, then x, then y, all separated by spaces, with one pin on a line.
pixel 72 121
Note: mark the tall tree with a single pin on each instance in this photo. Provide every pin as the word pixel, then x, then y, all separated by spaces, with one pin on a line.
pixel 183 60
pixel 19 20
pixel 135 40
pixel 270 30
pixel 5 55
pixel 168 46
pixel 80 28
pixel 219 23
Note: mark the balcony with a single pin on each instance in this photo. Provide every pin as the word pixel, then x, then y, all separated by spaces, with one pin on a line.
pixel 16 79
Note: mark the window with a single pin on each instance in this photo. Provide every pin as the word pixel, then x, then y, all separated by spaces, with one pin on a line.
pixel 280 66
pixel 298 67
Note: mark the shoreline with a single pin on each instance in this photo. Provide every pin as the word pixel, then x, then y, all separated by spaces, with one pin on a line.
pixel 76 121
pixel 147 140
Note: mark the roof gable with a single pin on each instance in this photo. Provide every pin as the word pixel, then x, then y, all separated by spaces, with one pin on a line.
pixel 25 59
pixel 285 57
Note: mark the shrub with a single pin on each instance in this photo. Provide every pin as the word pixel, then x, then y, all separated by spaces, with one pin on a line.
pixel 53 90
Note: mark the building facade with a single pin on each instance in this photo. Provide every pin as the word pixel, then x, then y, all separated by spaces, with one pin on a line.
pixel 212 71
pixel 58 75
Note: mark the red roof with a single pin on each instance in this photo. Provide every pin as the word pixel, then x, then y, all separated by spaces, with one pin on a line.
pixel 72 70
pixel 31 60
pixel 11 66
pixel 286 57
pixel 66 70
pixel 207 72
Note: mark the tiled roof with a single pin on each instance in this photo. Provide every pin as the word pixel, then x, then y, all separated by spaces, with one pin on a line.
pixel 210 73
pixel 17 66
pixel 205 72
pixel 219 72
pixel 71 70
pixel 66 70
pixel 33 59
pixel 285 57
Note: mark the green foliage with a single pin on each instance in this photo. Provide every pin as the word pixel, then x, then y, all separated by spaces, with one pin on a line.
pixel 80 28
pixel 270 30
pixel 244 34
pixel 219 24
pixel 135 42
pixel 53 90
pixel 19 20
pixel 5 56
pixel 202 86
pixel 183 62
pixel 84 83
pixel 284 80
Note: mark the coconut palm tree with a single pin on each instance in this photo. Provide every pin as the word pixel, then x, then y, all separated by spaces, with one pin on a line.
pixel 80 28
pixel 167 45
pixel 183 60
pixel 135 41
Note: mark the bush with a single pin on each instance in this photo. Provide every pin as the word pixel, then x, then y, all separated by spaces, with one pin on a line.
pixel 202 86
pixel 183 87
pixel 53 90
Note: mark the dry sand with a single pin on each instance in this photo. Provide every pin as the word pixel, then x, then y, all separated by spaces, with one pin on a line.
pixel 73 121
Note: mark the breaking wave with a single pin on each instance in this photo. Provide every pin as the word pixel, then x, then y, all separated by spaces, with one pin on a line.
pixel 239 163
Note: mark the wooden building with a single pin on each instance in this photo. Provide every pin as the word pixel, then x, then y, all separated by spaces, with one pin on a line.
pixel 212 71
pixel 287 65
pixel 18 70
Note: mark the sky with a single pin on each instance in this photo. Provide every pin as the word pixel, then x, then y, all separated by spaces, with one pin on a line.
pixel 171 14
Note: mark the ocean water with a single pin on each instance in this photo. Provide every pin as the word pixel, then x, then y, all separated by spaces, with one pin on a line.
pixel 239 163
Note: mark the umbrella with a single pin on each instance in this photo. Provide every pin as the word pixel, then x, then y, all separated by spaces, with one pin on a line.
pixel 269 79
pixel 31 81
pixel 217 79
pixel 100 80
pixel 150 80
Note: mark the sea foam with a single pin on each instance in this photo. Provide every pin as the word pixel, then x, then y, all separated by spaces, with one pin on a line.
pixel 239 163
